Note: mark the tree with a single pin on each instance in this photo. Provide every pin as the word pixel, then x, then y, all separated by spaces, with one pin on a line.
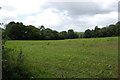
pixel 48 34
pixel 96 31
pixel 13 30
pixel 63 35
pixel 31 33
pixel 88 33
pixel 111 30
pixel 55 35
pixel 18 31
pixel 42 29
pixel 104 32
pixel 81 34
pixel 71 34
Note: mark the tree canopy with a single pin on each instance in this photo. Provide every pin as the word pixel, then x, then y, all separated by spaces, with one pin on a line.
pixel 19 31
pixel 109 31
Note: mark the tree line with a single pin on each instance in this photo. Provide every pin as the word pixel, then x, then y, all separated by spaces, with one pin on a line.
pixel 109 31
pixel 19 31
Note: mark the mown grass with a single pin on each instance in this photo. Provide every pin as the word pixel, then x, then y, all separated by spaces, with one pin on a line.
pixel 71 58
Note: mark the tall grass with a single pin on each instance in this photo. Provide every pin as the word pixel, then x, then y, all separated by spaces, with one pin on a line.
pixel 76 58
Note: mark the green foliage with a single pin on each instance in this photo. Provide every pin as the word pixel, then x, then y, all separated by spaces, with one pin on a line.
pixel 14 30
pixel 31 33
pixel 63 35
pixel 80 34
pixel 72 34
pixel 109 31
pixel 42 29
pixel 18 31
pixel 50 34
pixel 13 66
pixel 4 35
pixel 88 33
pixel 96 32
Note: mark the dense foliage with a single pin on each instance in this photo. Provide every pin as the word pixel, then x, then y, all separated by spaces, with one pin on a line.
pixel 109 31
pixel 13 66
pixel 18 31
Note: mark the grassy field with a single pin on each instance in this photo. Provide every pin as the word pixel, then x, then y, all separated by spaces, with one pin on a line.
pixel 70 58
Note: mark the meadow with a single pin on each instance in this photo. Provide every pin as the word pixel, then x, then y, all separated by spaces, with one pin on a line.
pixel 69 58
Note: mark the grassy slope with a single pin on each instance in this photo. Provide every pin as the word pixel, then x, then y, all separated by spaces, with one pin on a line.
pixel 79 58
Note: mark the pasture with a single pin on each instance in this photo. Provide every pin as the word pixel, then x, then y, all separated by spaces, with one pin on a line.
pixel 70 58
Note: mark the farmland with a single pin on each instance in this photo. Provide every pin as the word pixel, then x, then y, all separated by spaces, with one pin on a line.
pixel 69 58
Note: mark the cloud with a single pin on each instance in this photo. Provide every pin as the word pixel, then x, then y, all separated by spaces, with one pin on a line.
pixel 80 8
pixel 60 15
pixel 23 6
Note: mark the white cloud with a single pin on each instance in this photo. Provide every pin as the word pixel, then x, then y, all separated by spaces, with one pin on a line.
pixel 105 19
pixel 29 20
pixel 32 12
pixel 23 6
pixel 48 17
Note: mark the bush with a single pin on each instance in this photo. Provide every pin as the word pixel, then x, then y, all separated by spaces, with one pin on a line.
pixel 13 66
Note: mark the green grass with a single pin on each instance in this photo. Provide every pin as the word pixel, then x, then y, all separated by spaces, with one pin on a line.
pixel 70 58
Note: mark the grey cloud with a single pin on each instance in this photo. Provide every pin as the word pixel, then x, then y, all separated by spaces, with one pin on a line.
pixel 7 19
pixel 75 11
pixel 79 8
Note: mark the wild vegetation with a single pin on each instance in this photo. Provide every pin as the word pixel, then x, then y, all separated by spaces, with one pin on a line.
pixel 70 58
pixel 13 66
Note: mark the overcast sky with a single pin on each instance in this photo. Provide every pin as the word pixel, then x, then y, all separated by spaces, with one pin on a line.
pixel 60 14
